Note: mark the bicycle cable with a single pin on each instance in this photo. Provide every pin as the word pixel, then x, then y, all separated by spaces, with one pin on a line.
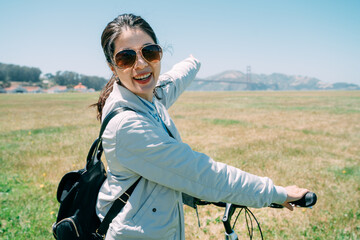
pixel 248 218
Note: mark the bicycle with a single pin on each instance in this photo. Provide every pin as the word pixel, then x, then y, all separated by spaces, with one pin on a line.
pixel 308 200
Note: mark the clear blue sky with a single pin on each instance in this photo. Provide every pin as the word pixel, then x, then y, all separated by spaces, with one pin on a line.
pixel 319 38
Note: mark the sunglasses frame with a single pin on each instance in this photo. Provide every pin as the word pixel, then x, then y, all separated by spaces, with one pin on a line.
pixel 139 51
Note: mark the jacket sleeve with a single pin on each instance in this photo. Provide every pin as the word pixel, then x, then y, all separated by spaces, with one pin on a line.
pixel 149 151
pixel 174 82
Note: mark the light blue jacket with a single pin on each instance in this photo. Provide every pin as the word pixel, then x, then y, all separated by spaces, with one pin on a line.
pixel 136 144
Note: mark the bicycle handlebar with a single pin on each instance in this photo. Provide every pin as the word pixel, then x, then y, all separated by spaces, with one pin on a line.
pixel 308 200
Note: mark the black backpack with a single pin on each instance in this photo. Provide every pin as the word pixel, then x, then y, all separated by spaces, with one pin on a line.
pixel 77 194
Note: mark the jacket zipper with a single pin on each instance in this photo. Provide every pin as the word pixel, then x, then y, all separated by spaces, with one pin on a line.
pixel 73 223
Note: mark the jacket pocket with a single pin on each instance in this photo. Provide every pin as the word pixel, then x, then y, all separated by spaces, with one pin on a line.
pixel 147 204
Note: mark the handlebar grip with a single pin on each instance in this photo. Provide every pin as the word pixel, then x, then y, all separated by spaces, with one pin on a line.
pixel 308 200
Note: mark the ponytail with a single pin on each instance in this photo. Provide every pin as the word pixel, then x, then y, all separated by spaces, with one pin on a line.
pixel 104 94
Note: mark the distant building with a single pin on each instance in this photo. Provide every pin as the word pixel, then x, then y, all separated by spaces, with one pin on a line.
pixel 80 88
pixel 57 89
pixel 34 89
pixel 16 89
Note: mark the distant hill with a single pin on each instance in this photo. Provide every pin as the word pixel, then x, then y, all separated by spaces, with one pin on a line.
pixel 237 81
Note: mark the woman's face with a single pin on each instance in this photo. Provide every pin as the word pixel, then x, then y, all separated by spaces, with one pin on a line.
pixel 142 77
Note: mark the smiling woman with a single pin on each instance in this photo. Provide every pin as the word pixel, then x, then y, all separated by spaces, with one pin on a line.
pixel 132 69
pixel 117 32
pixel 142 144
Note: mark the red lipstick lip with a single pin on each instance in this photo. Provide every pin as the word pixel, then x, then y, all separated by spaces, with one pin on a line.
pixel 144 81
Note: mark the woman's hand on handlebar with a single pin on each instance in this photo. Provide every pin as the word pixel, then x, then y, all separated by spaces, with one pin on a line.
pixel 294 193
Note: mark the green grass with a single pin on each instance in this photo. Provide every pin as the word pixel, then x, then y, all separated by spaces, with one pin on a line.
pixel 226 122
pixel 306 138
pixel 27 208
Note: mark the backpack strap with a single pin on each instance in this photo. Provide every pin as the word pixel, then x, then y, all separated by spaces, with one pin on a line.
pixel 96 149
pixel 108 117
pixel 122 200
pixel 115 209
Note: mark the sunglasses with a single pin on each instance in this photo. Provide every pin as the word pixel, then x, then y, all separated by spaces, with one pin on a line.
pixel 127 58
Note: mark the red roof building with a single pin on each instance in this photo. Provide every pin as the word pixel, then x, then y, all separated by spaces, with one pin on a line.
pixel 57 89
pixel 80 88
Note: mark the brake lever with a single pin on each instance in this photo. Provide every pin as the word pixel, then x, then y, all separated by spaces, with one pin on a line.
pixel 229 211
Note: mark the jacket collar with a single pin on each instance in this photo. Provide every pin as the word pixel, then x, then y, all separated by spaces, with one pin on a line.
pixel 122 97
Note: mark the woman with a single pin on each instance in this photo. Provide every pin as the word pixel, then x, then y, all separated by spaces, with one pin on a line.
pixel 144 142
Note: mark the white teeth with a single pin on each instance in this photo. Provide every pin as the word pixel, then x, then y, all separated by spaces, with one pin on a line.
pixel 141 77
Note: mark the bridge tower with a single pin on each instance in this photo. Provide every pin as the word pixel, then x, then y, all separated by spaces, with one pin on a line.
pixel 248 74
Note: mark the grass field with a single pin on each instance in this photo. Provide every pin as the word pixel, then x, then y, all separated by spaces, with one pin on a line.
pixel 311 139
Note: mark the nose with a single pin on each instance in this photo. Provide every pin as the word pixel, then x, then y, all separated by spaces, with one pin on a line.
pixel 140 61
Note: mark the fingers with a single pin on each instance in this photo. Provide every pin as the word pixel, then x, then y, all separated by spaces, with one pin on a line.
pixel 304 191
pixel 295 193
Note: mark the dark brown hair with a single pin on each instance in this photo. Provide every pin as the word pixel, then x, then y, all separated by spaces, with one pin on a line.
pixel 111 32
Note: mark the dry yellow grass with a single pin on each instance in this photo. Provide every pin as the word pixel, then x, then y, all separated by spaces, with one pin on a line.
pixel 306 138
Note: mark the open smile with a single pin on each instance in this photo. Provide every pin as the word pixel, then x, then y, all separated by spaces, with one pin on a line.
pixel 143 78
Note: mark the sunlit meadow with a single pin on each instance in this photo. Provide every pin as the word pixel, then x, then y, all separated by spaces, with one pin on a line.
pixel 311 139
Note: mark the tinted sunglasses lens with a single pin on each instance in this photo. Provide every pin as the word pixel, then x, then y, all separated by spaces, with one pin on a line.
pixel 125 58
pixel 152 53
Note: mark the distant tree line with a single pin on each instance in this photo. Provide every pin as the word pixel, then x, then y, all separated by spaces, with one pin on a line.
pixel 15 73
pixel 70 79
